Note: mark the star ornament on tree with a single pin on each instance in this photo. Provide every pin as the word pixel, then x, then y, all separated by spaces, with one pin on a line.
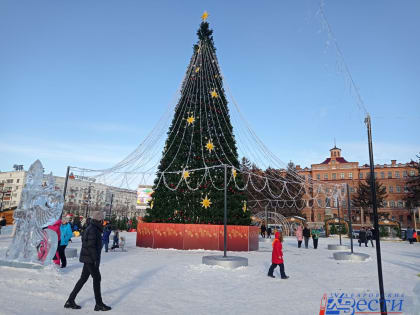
pixel 214 94
pixel 197 69
pixel 210 146
pixel 205 16
pixel 190 120
pixel 186 174
pixel 234 173
pixel 244 207
pixel 206 202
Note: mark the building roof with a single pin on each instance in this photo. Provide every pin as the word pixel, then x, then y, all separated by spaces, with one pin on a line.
pixel 339 160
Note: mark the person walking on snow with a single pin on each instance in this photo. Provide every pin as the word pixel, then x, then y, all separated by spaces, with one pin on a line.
pixel 277 256
pixel 65 234
pixel 369 236
pixel 105 237
pixel 56 228
pixel 299 235
pixel 315 237
pixel 90 256
pixel 409 234
pixel 116 240
pixel 263 230
pixel 306 235
pixel 362 237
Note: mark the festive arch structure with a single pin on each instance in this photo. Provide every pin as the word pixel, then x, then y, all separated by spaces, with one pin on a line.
pixel 340 221
pixel 273 218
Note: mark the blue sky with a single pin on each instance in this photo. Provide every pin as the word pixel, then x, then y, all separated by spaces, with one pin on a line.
pixel 83 82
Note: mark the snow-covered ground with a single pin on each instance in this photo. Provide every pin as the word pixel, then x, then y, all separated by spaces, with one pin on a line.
pixel 160 281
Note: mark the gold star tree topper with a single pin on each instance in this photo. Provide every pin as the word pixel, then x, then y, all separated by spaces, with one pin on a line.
pixel 205 16
pixel 210 146
pixel 214 94
pixel 190 120
pixel 205 202
pixel 186 174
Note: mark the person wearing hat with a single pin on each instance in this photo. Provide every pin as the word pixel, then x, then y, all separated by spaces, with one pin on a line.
pixel 90 256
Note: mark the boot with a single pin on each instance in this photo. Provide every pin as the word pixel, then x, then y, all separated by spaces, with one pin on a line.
pixel 72 304
pixel 102 307
pixel 271 276
pixel 285 277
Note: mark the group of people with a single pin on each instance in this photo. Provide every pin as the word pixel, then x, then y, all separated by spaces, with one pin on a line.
pixel 305 234
pixel 366 235
pixel 265 230
pixel 116 240
pixel 277 253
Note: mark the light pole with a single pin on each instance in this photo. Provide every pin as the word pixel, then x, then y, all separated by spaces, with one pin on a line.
pixel 375 216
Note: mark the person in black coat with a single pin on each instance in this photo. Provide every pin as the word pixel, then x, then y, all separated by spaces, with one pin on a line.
pixel 90 256
pixel 306 235
pixel 363 237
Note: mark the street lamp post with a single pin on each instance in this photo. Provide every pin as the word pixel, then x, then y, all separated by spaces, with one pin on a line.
pixel 375 217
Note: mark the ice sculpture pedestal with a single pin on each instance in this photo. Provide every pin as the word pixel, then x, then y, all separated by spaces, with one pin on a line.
pixel 20 264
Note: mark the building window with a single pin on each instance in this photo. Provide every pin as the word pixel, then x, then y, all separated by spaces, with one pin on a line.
pixel 398 189
pixel 411 173
pixel 397 174
pixel 327 203
pixel 318 176
pixel 382 174
pixel 405 189
pixel 401 218
pixel 343 203
pixel 325 176
pixel 319 216
pixel 389 174
pixel 384 203
pixel 351 189
pixel 10 181
pixel 361 175
pixel 335 202
pixel 392 203
pixel 334 176
pixel 17 188
pixel 405 174
pixel 391 189
pixel 342 190
pixel 319 201
pixel 400 204
pixel 351 175
pixel 18 180
pixel 342 175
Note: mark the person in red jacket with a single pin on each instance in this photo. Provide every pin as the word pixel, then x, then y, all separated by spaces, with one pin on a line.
pixel 277 256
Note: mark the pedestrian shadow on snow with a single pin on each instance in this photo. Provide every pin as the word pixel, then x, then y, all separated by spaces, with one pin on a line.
pixel 126 288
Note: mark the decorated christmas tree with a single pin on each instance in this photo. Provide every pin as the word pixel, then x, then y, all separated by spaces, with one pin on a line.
pixel 189 187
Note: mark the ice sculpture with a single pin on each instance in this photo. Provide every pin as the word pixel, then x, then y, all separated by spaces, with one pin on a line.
pixel 40 206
